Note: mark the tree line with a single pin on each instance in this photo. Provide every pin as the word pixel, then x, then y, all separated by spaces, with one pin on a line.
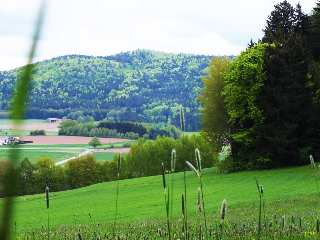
pixel 107 129
pixel 144 159
pixel 265 103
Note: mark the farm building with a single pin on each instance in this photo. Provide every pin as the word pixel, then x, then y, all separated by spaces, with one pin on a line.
pixel 53 120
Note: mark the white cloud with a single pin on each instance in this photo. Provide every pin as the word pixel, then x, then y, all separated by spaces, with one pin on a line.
pixel 100 27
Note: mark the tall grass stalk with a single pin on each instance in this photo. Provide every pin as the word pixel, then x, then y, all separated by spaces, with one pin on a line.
pixel 316 171
pixel 115 218
pixel 17 113
pixel 166 199
pixel 184 171
pixel 223 215
pixel 199 175
pixel 47 200
pixel 260 190
pixel 182 120
pixel 173 166
pixel 198 161
pixel 183 216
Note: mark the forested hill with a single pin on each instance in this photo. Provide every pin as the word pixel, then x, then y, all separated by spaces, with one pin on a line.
pixel 138 86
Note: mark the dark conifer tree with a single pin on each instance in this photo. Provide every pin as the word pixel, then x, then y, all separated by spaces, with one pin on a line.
pixel 280 23
pixel 315 32
pixel 251 44
pixel 286 100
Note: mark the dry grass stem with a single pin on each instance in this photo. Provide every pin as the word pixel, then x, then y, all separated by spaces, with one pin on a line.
pixel 198 159
pixel 199 200
pixel 173 160
pixel 223 209
pixel 193 168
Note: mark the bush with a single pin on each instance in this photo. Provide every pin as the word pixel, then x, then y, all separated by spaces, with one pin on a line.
pixel 37 132
pixel 226 165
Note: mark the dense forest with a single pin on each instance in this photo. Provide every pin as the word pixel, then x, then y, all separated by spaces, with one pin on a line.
pixel 265 103
pixel 139 86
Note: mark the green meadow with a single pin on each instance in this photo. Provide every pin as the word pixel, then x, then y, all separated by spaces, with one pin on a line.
pixel 11 132
pixel 33 154
pixel 24 121
pixel 290 192
pixel 103 156
pixel 57 152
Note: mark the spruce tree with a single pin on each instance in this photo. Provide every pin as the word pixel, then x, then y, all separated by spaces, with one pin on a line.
pixel 285 100
pixel 315 32
pixel 280 23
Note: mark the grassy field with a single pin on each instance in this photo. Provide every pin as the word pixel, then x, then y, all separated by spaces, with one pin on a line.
pixel 71 146
pixel 190 133
pixel 116 145
pixel 287 192
pixel 33 154
pixel 25 121
pixel 58 152
pixel 103 156
pixel 11 132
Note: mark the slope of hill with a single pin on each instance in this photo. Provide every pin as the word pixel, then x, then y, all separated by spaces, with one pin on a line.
pixel 288 191
pixel 138 86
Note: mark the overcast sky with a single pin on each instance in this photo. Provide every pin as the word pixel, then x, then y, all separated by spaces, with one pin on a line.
pixel 106 27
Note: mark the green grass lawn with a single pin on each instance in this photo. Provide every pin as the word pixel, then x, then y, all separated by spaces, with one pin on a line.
pixel 288 191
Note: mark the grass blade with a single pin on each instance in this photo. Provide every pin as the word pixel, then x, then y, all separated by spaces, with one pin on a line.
pixel 17 113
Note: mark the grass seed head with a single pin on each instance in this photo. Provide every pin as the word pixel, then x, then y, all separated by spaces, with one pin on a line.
pixel 198 159
pixel 192 168
pixel 173 160
pixel 312 162
pixel 223 209
pixel 261 189
pixel 47 196
pixel 164 178
pixel 182 118
pixel 119 161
